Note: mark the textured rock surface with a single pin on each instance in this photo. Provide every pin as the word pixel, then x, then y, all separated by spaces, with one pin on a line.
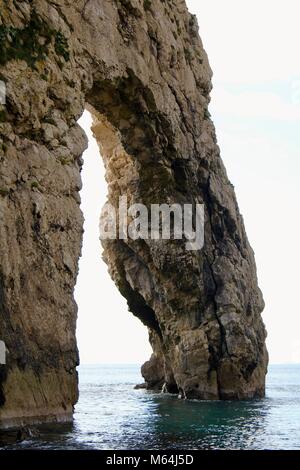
pixel 141 68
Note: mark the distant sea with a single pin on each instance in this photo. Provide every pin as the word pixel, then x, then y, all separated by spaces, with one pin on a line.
pixel 110 414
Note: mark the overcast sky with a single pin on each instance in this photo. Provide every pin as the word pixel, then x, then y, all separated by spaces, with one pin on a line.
pixel 253 48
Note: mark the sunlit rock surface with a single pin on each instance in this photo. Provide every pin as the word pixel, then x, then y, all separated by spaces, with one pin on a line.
pixel 140 67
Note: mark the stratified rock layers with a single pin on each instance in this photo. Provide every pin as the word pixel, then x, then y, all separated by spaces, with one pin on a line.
pixel 141 68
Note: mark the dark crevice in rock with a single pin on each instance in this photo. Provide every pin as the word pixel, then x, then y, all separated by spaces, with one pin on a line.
pixel 210 264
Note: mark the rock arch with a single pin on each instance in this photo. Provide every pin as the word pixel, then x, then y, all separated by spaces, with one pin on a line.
pixel 140 66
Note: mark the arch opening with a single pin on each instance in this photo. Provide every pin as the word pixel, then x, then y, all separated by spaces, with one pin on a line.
pixel 103 324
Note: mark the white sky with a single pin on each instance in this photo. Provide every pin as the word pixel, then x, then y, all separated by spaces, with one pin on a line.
pixel 253 48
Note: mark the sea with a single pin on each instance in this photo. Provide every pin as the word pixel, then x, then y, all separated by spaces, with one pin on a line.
pixel 112 415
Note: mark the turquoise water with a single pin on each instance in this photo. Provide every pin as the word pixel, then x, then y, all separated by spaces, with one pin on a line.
pixel 112 415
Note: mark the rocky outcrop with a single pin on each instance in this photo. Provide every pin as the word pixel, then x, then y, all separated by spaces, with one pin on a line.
pixel 140 67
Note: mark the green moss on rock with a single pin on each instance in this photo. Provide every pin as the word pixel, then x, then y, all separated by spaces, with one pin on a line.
pixel 34 185
pixel 4 192
pixel 64 160
pixel 31 43
pixel 147 4
pixel 2 115
pixel 207 114
pixel 61 46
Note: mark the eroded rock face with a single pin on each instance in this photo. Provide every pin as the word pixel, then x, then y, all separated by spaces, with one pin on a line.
pixel 141 68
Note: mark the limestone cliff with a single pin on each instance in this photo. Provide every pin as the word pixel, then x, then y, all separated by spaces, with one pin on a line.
pixel 141 68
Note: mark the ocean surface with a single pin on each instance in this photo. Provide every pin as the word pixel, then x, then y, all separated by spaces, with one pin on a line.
pixel 111 414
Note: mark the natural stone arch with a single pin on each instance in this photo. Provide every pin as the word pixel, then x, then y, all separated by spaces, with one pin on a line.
pixel 142 68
